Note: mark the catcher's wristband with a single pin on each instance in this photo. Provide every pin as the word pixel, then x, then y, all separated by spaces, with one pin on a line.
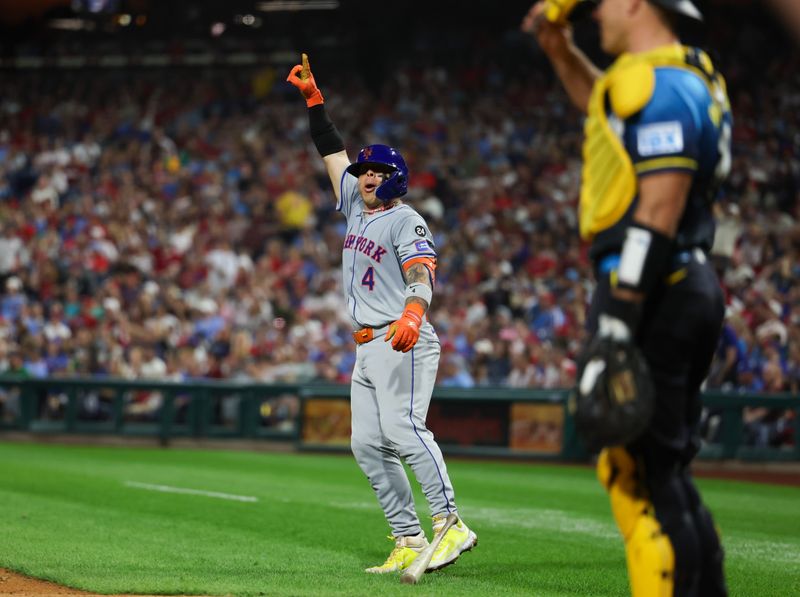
pixel 558 11
pixel 645 255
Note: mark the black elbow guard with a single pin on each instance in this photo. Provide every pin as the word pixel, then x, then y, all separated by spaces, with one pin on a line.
pixel 323 132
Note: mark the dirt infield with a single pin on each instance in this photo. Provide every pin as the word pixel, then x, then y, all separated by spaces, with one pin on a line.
pixel 20 585
pixel 12 583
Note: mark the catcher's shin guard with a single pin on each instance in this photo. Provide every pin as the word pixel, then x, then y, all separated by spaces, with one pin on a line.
pixel 648 551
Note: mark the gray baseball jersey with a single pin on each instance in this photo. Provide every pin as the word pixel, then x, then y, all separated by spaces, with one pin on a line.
pixel 391 391
pixel 375 248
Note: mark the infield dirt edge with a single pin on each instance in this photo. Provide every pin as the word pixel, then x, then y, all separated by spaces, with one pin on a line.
pixel 14 583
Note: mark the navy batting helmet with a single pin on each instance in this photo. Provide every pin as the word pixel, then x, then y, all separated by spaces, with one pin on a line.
pixel 383 155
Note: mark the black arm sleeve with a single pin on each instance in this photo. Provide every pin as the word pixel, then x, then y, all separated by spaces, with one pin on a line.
pixel 323 132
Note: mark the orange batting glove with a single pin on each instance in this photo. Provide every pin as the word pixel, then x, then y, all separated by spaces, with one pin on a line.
pixel 405 330
pixel 300 76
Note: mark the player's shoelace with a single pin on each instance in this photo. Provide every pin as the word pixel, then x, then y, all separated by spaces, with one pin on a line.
pixel 396 553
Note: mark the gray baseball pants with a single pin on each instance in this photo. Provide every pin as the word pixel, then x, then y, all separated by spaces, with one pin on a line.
pixel 390 395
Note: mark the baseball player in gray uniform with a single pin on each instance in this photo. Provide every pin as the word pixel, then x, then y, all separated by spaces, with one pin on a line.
pixel 388 273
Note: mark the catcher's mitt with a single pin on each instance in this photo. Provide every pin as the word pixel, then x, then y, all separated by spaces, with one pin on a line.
pixel 614 399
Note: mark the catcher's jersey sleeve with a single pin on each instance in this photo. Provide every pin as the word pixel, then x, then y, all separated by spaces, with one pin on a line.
pixel 349 197
pixel 672 131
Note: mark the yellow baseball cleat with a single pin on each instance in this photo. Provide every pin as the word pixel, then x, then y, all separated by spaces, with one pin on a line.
pixel 459 538
pixel 406 550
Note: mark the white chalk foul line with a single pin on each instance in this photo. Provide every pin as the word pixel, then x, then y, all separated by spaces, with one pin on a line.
pixel 184 490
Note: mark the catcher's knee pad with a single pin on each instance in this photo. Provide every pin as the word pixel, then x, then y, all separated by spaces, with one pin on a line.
pixel 648 551
pixel 651 559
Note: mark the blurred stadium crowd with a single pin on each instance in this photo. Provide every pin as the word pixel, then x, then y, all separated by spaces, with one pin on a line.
pixel 181 226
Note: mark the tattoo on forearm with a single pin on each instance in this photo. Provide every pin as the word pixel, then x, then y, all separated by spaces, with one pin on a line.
pixel 418 273
pixel 421 302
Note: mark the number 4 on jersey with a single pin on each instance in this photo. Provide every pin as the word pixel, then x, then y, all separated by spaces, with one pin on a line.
pixel 369 279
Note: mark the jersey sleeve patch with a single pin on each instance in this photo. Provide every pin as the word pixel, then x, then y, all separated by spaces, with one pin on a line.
pixel 660 138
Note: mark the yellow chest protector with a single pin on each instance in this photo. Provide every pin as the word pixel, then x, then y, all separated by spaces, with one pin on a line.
pixel 609 182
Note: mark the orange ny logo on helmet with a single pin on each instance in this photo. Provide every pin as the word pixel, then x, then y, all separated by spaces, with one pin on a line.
pixel 366 152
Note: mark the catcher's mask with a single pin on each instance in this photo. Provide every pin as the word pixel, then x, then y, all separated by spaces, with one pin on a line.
pixel 396 185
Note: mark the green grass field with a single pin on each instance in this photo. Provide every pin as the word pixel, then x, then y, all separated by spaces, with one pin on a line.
pixel 110 520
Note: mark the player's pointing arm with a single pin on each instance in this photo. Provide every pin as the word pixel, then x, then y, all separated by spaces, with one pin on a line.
pixel 323 132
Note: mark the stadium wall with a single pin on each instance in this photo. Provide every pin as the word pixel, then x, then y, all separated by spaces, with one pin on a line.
pixel 514 423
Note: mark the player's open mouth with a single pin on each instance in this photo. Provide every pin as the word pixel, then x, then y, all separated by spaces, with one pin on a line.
pixel 369 187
